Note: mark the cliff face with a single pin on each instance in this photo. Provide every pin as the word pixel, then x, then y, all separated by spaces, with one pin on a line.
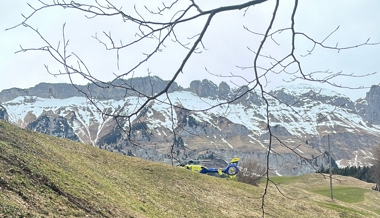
pixel 3 113
pixel 301 119
pixel 54 125
pixel 369 107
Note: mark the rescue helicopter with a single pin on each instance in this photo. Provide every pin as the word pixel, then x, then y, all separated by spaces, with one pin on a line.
pixel 231 170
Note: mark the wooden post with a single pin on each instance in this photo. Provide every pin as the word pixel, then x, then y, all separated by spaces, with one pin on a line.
pixel 331 190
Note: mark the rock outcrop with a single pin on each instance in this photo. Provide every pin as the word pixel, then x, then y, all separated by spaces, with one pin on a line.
pixel 224 90
pixel 369 107
pixel 204 89
pixel 54 125
pixel 3 113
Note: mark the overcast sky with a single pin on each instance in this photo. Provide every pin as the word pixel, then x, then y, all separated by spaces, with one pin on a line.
pixel 226 43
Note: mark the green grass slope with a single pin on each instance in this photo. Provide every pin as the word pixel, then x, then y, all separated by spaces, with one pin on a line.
pixel 43 176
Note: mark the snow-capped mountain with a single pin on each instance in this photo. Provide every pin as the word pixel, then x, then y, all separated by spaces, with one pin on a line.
pixel 302 118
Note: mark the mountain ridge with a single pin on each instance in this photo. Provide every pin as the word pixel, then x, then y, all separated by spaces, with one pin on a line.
pixel 300 117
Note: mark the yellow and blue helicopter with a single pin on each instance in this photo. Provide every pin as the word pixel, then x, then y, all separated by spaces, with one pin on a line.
pixel 231 170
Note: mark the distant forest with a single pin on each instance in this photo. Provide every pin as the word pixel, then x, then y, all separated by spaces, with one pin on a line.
pixel 365 173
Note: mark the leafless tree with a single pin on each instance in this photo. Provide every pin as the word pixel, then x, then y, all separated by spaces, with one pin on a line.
pixel 251 171
pixel 162 26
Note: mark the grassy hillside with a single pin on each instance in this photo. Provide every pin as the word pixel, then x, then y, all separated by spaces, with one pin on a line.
pixel 43 176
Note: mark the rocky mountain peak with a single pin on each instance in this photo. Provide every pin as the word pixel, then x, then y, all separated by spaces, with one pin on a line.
pixel 204 89
pixel 224 90
pixel 369 107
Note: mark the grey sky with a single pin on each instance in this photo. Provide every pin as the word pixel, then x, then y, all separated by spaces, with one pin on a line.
pixel 226 43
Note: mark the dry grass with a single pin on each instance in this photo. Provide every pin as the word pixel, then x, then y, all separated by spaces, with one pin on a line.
pixel 42 176
pixel 352 197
